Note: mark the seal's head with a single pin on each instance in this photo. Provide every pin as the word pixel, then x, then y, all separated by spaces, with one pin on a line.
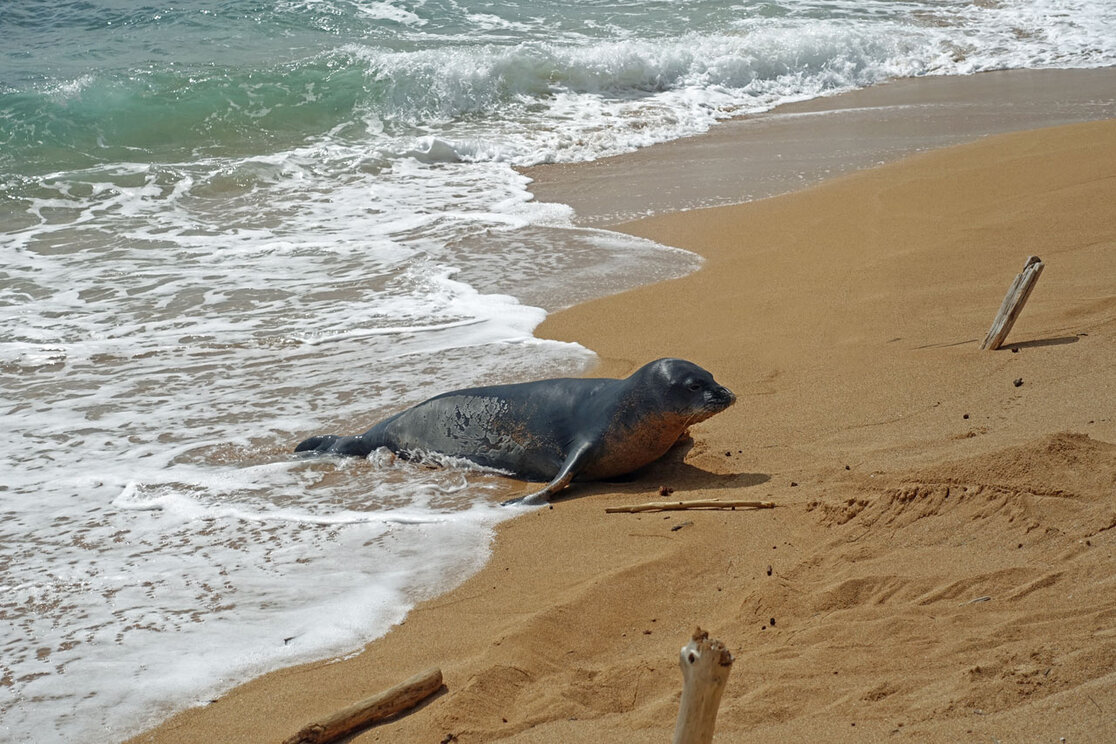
pixel 688 389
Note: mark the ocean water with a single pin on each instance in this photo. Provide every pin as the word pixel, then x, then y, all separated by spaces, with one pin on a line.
pixel 227 225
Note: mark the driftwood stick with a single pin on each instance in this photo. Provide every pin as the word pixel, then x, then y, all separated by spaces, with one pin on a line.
pixel 705 669
pixel 1013 303
pixel 682 505
pixel 370 710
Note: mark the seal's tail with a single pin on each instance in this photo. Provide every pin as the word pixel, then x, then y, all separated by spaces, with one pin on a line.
pixel 331 444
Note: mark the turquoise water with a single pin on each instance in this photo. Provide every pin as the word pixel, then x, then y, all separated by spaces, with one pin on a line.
pixel 225 226
pixel 87 83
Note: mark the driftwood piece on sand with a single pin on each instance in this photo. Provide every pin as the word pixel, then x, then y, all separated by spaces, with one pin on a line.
pixel 370 710
pixel 682 505
pixel 705 669
pixel 1013 303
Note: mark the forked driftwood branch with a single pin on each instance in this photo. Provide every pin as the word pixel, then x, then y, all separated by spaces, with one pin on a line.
pixel 1013 303
pixel 682 505
pixel 370 710
pixel 705 669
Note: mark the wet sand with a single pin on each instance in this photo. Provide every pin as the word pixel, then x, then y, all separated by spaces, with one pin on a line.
pixel 800 144
pixel 939 567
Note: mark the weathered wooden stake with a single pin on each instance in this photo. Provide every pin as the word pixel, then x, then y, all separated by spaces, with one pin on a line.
pixel 1013 303
pixel 682 505
pixel 705 669
pixel 376 708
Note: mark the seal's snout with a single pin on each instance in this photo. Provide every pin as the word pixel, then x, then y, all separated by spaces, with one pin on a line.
pixel 722 396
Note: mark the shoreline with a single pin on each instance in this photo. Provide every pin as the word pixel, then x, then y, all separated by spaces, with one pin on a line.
pixel 798 145
pixel 533 648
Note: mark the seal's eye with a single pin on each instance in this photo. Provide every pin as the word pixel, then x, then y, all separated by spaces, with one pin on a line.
pixel 695 386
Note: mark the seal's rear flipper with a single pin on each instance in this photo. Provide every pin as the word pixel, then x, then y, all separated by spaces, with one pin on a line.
pixel 569 469
pixel 316 444
pixel 331 444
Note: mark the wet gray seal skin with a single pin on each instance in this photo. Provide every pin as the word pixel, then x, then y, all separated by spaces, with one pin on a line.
pixel 557 430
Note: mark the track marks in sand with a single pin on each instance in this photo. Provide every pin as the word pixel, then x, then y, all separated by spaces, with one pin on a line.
pixel 1063 484
pixel 861 591
pixel 974 588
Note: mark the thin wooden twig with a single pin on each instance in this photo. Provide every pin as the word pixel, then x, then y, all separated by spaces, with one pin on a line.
pixel 1013 303
pixel 370 710
pixel 682 505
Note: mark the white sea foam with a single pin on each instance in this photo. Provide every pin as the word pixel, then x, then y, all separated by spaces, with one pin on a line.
pixel 162 376
pixel 389 11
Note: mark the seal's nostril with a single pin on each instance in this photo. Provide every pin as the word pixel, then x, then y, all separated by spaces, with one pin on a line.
pixel 720 396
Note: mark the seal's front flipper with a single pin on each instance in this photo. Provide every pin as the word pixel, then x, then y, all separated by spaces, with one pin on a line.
pixel 570 468
pixel 543 496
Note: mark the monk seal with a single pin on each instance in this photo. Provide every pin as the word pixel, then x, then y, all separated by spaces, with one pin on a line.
pixel 556 430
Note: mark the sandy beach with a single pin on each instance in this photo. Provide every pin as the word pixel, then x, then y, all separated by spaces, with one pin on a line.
pixel 940 564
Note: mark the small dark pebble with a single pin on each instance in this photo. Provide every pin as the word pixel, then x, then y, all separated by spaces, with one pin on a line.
pixel 647 632
pixel 504 720
pixel 1018 382
pixel 1015 350
pixel 966 416
pixel 772 622
pixel 551 507
pixel 793 484
pixel 769 569
pixel 847 468
pixel 665 490
pixel 728 454
pixel 1020 545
